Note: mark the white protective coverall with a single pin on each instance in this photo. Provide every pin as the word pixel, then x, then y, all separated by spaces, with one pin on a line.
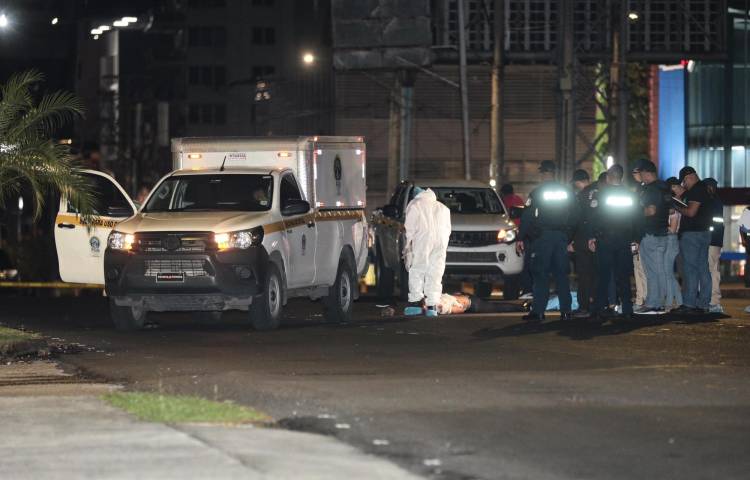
pixel 428 227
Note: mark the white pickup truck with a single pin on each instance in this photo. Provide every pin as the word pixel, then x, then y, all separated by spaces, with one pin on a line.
pixel 481 248
pixel 242 223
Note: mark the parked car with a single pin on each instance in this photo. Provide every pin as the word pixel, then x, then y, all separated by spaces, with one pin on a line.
pixel 482 243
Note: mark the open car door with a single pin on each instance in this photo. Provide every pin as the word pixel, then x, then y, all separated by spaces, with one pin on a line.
pixel 80 247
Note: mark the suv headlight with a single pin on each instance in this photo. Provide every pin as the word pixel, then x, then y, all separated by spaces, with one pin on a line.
pixel 506 236
pixel 120 241
pixel 243 239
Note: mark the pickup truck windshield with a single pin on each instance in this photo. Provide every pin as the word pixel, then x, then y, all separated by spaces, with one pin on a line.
pixel 469 200
pixel 228 192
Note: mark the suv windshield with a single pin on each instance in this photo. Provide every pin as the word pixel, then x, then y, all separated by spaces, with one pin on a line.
pixel 227 192
pixel 469 200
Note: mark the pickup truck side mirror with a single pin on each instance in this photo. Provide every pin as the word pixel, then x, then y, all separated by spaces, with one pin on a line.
pixel 390 211
pixel 295 207
pixel 516 212
pixel 119 212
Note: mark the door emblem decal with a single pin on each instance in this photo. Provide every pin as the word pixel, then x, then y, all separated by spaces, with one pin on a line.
pixel 95 245
pixel 337 172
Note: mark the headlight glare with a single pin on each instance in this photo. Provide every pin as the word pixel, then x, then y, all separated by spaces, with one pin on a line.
pixel 506 236
pixel 120 241
pixel 243 239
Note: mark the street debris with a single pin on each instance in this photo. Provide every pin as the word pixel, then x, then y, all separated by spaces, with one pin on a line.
pixel 343 426
pixel 380 442
pixel 387 312
pixel 432 462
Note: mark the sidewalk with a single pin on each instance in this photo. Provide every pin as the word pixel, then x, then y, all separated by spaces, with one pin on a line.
pixel 56 428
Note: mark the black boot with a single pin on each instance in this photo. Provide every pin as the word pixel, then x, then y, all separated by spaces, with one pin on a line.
pixel 533 317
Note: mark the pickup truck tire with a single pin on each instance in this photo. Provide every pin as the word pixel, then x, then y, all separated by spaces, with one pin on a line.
pixel 340 299
pixel 511 287
pixel 384 277
pixel 265 311
pixel 126 319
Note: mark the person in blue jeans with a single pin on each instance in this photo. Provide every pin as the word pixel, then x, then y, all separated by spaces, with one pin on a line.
pixel 655 199
pixel 695 238
pixel 674 292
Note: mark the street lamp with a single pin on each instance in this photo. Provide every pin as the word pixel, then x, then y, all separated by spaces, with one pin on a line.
pixel 54 21
pixel 3 20
pixel 633 16
pixel 308 58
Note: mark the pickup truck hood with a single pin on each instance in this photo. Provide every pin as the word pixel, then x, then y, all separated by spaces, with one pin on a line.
pixel 192 222
pixel 463 222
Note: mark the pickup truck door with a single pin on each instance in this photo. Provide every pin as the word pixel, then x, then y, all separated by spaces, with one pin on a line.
pixel 80 248
pixel 301 234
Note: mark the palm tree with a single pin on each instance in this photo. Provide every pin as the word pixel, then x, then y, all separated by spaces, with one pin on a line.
pixel 28 156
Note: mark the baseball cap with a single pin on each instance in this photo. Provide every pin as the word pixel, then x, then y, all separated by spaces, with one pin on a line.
pixel 672 181
pixel 644 165
pixel 685 171
pixel 580 175
pixel 547 166
pixel 711 181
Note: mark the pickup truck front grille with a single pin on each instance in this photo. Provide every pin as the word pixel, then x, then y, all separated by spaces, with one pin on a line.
pixel 472 239
pixel 471 257
pixel 172 242
pixel 190 267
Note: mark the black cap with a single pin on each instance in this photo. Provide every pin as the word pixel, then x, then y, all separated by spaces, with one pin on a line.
pixel 672 181
pixel 711 182
pixel 547 166
pixel 685 171
pixel 580 175
pixel 644 165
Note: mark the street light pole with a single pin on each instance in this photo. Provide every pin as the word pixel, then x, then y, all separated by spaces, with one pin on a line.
pixel 460 4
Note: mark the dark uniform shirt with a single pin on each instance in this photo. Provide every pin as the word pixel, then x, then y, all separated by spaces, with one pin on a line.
pixel 701 222
pixel 615 212
pixel 550 207
pixel 583 204
pixel 656 194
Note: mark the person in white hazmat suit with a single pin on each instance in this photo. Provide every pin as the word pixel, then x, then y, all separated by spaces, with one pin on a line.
pixel 428 227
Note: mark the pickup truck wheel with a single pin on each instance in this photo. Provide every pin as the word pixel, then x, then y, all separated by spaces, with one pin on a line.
pixel 483 289
pixel 403 283
pixel 127 318
pixel 383 277
pixel 511 287
pixel 340 299
pixel 265 311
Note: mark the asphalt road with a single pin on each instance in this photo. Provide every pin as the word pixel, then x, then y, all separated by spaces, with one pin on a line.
pixel 456 397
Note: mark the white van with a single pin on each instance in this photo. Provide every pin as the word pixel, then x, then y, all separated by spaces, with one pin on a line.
pixel 242 223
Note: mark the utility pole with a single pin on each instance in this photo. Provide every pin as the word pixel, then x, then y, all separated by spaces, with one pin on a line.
pixel 496 119
pixel 618 72
pixel 566 146
pixel 460 5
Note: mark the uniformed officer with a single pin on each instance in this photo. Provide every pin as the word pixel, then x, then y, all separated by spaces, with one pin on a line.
pixel 584 258
pixel 613 232
pixel 547 220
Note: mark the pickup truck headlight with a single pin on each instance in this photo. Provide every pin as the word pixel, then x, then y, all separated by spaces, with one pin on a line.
pixel 506 236
pixel 243 239
pixel 120 241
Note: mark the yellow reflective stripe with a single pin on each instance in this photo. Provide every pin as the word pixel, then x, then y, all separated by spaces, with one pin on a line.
pixel 76 220
pixel 49 285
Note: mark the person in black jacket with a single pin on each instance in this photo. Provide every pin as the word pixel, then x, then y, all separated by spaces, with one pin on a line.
pixel 655 200
pixel 612 231
pixel 584 258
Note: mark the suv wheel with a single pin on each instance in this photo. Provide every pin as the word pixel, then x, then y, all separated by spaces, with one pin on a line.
pixel 265 311
pixel 340 299
pixel 127 318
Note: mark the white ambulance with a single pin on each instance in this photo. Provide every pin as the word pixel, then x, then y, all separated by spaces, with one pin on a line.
pixel 242 223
